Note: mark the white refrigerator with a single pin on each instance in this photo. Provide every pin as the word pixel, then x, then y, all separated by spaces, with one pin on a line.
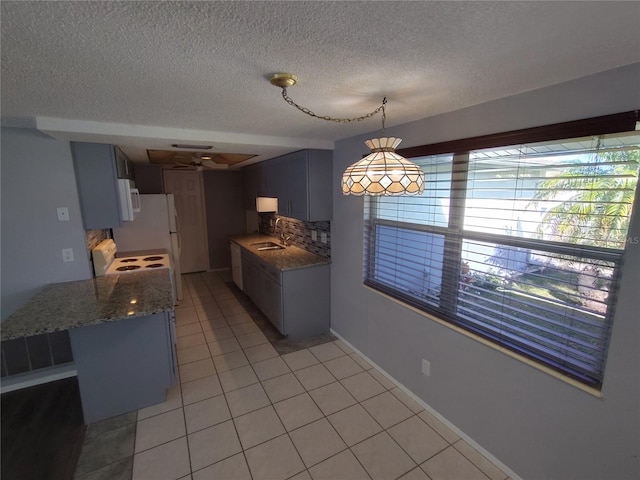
pixel 156 226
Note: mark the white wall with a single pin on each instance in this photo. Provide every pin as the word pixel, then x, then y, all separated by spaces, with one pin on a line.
pixel 538 425
pixel 37 177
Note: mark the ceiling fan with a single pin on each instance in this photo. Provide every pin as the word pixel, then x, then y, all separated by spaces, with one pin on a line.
pixel 195 160
pixel 200 162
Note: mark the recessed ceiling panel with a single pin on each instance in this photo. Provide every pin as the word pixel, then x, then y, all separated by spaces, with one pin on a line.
pixel 173 157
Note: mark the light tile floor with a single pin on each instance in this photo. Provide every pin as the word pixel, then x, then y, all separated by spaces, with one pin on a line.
pixel 242 410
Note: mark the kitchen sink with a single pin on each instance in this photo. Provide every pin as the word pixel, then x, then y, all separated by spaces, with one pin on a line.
pixel 261 246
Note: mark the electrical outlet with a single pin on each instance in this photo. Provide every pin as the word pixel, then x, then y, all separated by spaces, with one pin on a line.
pixel 323 237
pixel 63 214
pixel 314 235
pixel 67 254
pixel 426 368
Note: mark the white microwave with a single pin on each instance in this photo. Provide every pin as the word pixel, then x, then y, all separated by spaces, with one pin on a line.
pixel 129 199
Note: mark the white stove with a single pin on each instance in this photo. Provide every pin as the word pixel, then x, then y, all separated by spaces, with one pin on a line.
pixel 106 263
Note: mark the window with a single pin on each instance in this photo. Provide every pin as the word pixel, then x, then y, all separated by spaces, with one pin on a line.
pixel 520 244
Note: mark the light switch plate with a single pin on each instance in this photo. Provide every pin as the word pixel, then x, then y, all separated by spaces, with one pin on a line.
pixel 323 237
pixel 426 367
pixel 314 235
pixel 63 214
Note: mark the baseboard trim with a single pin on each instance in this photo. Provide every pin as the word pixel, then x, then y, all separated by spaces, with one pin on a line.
pixel 512 475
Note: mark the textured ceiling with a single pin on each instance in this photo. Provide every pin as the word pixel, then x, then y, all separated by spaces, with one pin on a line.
pixel 148 74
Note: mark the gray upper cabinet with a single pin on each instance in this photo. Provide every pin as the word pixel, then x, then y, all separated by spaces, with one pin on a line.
pixel 293 185
pixel 250 185
pixel 123 165
pixel 268 179
pixel 300 180
pixel 96 169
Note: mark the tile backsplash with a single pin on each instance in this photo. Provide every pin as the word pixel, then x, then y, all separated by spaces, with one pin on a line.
pixel 300 233
pixel 94 237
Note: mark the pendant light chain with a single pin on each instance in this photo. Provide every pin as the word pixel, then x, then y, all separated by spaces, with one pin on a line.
pixel 290 101
pixel 383 171
pixel 384 113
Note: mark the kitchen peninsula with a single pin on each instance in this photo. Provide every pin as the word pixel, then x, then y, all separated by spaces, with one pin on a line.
pixel 121 331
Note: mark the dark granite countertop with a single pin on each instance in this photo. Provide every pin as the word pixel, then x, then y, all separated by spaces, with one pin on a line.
pixel 62 306
pixel 290 258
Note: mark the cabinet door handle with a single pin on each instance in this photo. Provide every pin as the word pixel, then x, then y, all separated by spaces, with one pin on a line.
pixel 135 200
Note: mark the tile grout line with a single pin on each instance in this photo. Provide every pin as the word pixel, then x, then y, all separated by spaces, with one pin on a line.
pixel 243 450
pixel 414 414
pixel 270 404
pixel 229 407
pixel 336 380
pixel 184 420
pixel 307 392
pixel 288 433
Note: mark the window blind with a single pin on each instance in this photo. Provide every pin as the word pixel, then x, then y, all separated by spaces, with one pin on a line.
pixel 519 244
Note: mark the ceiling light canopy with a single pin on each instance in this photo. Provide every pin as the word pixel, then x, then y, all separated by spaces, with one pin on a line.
pixel 383 171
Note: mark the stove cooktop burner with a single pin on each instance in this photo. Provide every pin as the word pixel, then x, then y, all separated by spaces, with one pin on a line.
pixel 127 268
pixel 154 258
pixel 154 265
pixel 128 260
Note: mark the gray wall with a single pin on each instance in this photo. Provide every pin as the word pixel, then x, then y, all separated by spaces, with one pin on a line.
pixel 148 178
pixel 225 214
pixel 538 425
pixel 38 177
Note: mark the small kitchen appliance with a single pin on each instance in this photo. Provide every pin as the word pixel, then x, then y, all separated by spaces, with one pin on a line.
pixel 106 263
pixel 129 199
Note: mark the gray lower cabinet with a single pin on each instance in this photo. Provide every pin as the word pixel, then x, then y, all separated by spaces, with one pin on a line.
pixel 263 286
pixel 306 301
pixel 271 301
pixel 124 365
pixel 250 278
pixel 296 302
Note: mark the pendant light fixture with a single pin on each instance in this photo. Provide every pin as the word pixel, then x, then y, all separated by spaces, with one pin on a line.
pixel 383 171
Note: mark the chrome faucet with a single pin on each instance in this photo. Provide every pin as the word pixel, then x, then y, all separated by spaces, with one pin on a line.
pixel 275 229
pixel 284 240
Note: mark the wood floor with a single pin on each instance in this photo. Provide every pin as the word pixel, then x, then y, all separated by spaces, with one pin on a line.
pixel 42 431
